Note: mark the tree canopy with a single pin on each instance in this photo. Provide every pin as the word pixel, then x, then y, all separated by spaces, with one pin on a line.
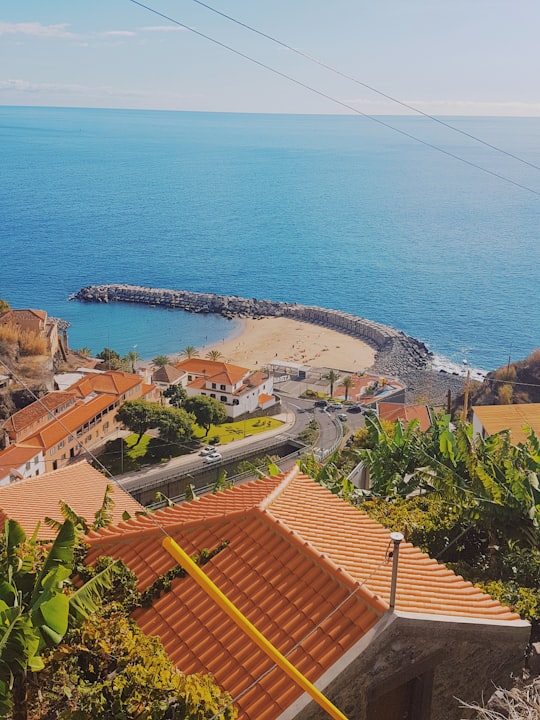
pixel 207 411
pixel 139 416
pixel 176 394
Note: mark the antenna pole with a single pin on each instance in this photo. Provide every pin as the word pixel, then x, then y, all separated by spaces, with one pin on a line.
pixel 466 397
pixel 396 538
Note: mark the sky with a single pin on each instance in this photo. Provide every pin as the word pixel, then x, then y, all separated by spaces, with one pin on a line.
pixel 445 57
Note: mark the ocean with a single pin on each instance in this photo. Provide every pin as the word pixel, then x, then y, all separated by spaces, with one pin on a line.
pixel 335 211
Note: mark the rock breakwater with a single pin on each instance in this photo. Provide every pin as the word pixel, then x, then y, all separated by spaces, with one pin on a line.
pixel 397 353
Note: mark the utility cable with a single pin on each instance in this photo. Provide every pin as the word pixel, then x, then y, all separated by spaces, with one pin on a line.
pixel 309 634
pixel 324 65
pixel 79 444
pixel 322 94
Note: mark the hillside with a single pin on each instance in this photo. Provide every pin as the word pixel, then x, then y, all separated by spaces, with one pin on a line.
pixel 514 383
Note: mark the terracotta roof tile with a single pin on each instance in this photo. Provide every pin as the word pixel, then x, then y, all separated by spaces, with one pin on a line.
pixel 38 410
pixel 112 381
pixel 15 455
pixel 514 418
pixel 212 368
pixel 398 411
pixel 167 374
pixel 69 421
pixel 301 564
pixel 80 485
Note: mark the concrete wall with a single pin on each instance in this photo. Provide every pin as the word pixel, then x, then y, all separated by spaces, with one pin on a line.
pixel 462 659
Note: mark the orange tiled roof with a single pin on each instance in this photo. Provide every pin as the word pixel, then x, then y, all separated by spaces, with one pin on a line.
pixel 257 378
pixel 264 398
pixel 111 381
pixel 69 421
pixel 37 410
pixel 296 554
pixel 80 485
pixel 167 374
pixel 212 368
pixel 398 411
pixel 16 455
pixel 514 418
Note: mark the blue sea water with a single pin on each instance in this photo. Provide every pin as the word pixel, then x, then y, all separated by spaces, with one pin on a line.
pixel 335 211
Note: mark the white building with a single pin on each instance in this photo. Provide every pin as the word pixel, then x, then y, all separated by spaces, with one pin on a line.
pixel 240 390
pixel 18 462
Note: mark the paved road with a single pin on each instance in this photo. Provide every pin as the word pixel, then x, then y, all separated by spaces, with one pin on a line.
pixel 296 416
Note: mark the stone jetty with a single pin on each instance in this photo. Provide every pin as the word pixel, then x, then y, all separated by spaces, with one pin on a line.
pixel 397 353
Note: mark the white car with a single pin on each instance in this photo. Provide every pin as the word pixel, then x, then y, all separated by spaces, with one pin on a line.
pixel 343 417
pixel 214 457
pixel 207 451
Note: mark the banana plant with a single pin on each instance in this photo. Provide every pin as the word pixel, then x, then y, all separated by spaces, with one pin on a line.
pixel 37 606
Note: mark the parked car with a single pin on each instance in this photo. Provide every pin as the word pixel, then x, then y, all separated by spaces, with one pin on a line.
pixel 207 451
pixel 355 409
pixel 342 416
pixel 214 457
pixel 335 406
pixel 321 403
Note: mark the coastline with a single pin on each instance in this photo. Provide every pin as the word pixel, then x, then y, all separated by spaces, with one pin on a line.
pixel 256 343
pixel 266 340
pixel 302 334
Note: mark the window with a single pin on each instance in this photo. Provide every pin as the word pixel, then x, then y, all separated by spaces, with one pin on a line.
pixel 213 386
pixel 52 451
pixel 28 466
pixel 223 398
pixel 106 426
pixel 222 387
pixel 213 395
pixel 61 444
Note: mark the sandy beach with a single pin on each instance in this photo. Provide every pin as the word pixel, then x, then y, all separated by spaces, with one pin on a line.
pixel 259 342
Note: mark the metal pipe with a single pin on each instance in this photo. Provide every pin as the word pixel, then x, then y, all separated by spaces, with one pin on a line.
pixel 251 631
pixel 396 538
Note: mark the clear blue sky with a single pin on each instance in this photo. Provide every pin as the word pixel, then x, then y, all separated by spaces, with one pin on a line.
pixel 448 57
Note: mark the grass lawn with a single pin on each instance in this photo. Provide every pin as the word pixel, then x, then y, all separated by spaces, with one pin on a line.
pixel 132 457
pixel 137 451
pixel 230 431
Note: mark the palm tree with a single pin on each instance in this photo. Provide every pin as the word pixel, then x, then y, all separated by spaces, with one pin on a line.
pixel 214 355
pixel 347 382
pixel 331 376
pixel 160 360
pixel 131 358
pixel 189 352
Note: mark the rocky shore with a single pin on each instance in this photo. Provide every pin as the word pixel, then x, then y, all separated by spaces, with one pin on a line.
pixel 397 354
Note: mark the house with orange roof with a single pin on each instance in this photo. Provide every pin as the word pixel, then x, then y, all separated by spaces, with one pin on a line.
pixel 313 574
pixel 82 487
pixel 64 425
pixel 19 462
pixel 517 419
pixel 241 391
pixel 31 418
pixel 397 411
pixel 166 376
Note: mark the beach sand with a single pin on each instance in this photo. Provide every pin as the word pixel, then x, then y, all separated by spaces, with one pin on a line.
pixel 259 342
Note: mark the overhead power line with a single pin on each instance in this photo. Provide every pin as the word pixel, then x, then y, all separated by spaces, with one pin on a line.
pixel 320 93
pixel 371 88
